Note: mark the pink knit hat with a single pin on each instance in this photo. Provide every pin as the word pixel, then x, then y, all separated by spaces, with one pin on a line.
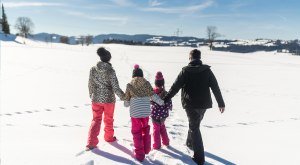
pixel 159 79
pixel 159 76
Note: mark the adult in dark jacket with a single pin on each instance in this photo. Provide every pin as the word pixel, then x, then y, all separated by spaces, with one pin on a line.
pixel 196 80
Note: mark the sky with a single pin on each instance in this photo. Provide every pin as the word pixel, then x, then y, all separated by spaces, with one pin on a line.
pixel 234 19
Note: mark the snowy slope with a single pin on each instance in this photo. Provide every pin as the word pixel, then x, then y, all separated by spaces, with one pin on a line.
pixel 45 109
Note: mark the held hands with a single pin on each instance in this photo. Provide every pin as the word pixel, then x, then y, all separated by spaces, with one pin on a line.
pixel 126 103
pixel 222 109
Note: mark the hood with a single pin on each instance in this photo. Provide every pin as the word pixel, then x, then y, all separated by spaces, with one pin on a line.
pixel 196 66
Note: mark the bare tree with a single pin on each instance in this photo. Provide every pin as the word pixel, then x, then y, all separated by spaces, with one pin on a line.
pixel 88 40
pixel 24 25
pixel 81 40
pixel 211 35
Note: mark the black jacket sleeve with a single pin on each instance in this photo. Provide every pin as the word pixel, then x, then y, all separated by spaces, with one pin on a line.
pixel 177 85
pixel 213 83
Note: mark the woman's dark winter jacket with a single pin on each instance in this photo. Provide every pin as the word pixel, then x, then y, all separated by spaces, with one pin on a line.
pixel 195 80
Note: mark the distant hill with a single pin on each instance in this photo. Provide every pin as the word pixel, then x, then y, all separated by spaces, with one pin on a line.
pixel 46 37
pixel 240 46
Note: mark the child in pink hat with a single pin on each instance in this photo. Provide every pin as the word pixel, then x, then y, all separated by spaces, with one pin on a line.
pixel 138 94
pixel 159 113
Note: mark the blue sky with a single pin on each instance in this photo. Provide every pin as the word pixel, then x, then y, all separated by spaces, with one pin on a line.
pixel 235 19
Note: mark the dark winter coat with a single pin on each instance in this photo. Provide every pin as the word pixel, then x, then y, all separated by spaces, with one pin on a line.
pixel 103 84
pixel 195 80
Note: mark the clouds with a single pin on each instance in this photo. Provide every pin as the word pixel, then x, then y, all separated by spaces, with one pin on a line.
pixel 30 4
pixel 123 3
pixel 180 10
pixel 143 16
pixel 154 3
pixel 122 20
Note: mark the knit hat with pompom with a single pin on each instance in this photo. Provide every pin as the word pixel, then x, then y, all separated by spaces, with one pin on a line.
pixel 137 71
pixel 159 79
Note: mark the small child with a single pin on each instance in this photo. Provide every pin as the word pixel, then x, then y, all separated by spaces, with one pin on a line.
pixel 159 113
pixel 138 94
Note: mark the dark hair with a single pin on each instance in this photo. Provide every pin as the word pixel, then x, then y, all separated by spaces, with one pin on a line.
pixel 195 54
pixel 104 54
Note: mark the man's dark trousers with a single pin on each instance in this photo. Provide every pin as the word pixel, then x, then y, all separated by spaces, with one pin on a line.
pixel 194 138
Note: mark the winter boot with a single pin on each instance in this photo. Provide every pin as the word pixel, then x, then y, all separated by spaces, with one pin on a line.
pixel 111 139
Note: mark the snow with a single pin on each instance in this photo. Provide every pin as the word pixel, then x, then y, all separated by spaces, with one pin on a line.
pixel 46 113
pixel 263 42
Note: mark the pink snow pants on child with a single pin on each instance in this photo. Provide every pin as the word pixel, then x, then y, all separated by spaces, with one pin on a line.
pixel 160 132
pixel 141 137
pixel 98 110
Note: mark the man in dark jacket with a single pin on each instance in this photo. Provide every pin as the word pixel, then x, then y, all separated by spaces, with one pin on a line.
pixel 196 80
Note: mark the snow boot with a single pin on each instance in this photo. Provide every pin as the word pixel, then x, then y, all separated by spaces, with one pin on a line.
pixel 111 139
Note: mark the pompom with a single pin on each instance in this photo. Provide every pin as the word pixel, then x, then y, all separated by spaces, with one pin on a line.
pixel 136 66
pixel 159 76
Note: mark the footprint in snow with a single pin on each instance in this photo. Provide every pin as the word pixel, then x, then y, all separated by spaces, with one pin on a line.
pixel 275 121
pixel 243 123
pixel 28 111
pixel 208 126
pixel 127 140
pixel 62 108
pixel 18 113
pixel 178 125
pixel 48 110
pixel 49 125
pixel 8 114
pixel 293 118
pixel 175 133
pixel 220 125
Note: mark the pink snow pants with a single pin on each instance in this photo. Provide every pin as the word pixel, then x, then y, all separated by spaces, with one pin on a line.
pixel 160 133
pixel 98 109
pixel 141 137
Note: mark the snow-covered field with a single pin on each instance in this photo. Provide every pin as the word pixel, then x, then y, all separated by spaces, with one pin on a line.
pixel 46 113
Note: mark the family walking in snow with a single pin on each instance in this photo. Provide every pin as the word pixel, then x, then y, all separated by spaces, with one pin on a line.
pixel 144 101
